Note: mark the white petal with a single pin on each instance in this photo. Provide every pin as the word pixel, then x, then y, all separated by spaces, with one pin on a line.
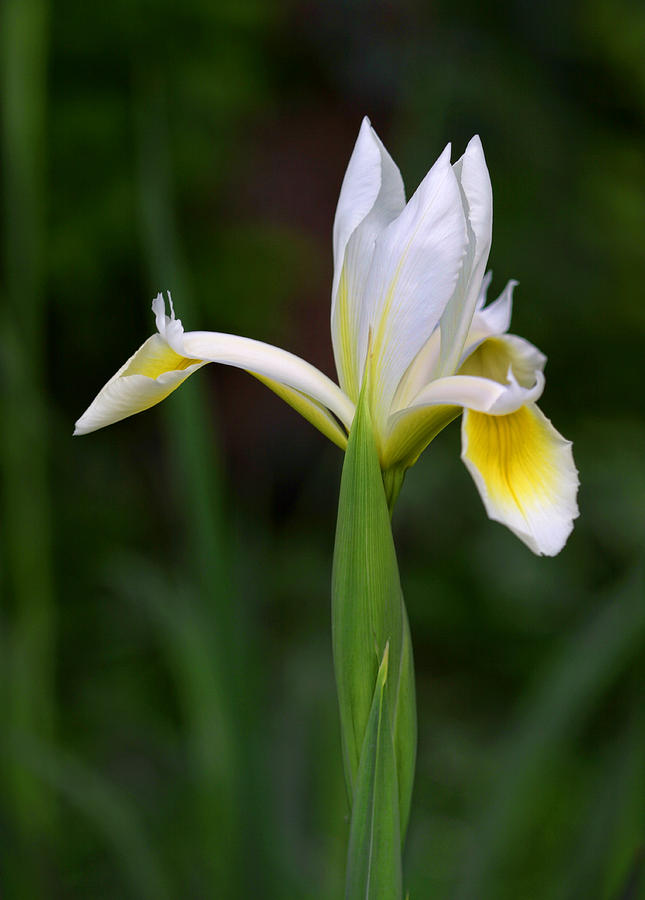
pixel 371 196
pixel 525 474
pixel 413 275
pixel 477 197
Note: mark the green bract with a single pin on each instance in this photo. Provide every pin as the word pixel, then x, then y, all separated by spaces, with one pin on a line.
pixel 368 612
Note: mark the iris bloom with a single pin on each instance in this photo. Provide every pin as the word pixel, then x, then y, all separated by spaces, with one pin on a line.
pixel 408 306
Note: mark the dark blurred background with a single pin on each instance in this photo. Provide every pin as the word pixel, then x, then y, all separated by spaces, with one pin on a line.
pixel 167 707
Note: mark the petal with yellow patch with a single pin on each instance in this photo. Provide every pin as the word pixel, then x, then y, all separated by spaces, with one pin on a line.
pixel 147 378
pixel 525 474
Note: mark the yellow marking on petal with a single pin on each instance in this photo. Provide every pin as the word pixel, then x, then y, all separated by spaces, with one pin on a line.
pixel 514 457
pixel 155 358
pixel 492 358
pixel 346 363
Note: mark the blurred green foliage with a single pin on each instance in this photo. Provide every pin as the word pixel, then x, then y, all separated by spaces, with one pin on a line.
pixel 168 714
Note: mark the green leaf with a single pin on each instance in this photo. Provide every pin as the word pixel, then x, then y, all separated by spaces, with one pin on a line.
pixel 374 854
pixel 368 612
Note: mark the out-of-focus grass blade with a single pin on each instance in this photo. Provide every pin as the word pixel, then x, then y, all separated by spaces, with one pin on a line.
pixel 112 815
pixel 634 886
pixel 192 439
pixel 185 636
pixel 587 665
pixel 621 777
pixel 374 854
pixel 189 416
pixel 27 670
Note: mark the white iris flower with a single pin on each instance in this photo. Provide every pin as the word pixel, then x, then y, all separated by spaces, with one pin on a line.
pixel 409 293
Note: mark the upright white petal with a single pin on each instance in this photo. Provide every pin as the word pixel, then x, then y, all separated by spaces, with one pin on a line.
pixel 414 271
pixel 371 196
pixel 477 197
pixel 525 474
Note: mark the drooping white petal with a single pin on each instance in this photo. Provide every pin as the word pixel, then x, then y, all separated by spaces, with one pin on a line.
pixel 167 358
pixel 371 196
pixel 525 474
pixel 477 197
pixel 414 271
